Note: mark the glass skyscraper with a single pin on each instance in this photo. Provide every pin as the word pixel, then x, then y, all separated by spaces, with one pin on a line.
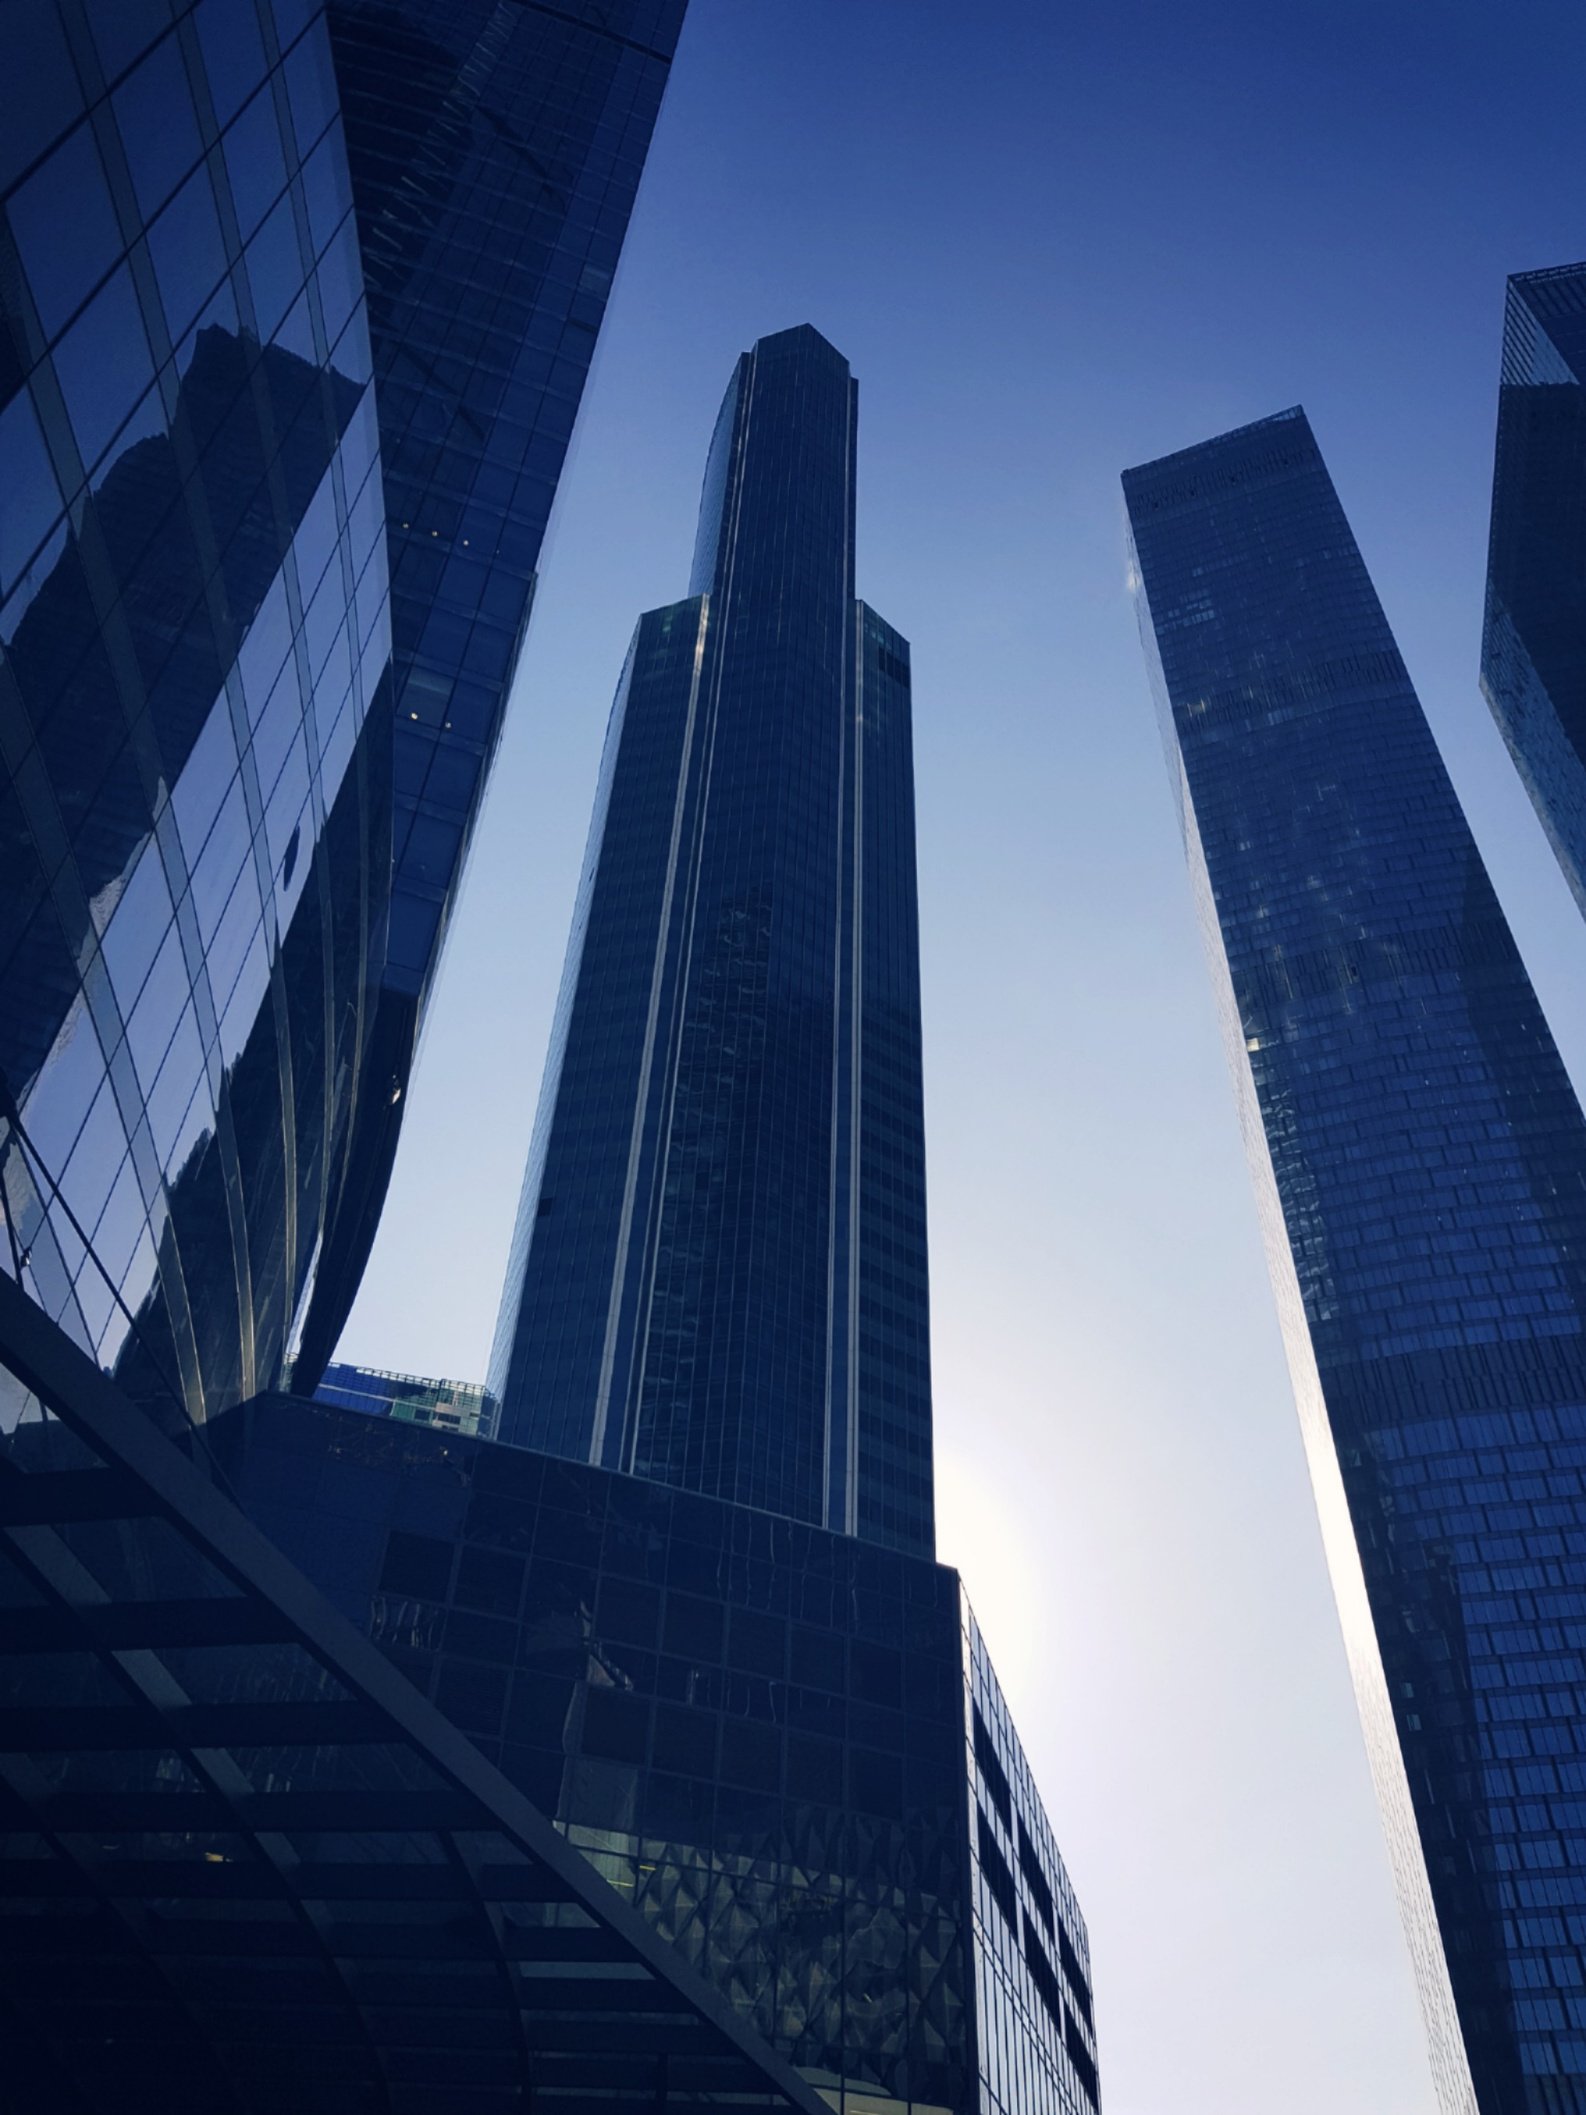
pixel 718 1277
pixel 298 303
pixel 1420 1165
pixel 1533 647
pixel 666 1611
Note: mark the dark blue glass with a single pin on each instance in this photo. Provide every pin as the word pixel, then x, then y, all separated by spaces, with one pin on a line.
pixel 786 1748
pixel 1420 1162
pixel 718 1278
pixel 1533 648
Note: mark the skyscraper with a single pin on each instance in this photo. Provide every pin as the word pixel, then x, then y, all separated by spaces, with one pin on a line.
pixel 1420 1166
pixel 1533 646
pixel 782 1741
pixel 297 308
pixel 718 1277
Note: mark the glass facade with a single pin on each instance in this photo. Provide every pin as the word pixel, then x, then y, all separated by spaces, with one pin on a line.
pixel 297 306
pixel 785 1747
pixel 495 153
pixel 248 1869
pixel 194 679
pixel 451 1406
pixel 1420 1163
pixel 718 1276
pixel 1036 2028
pixel 1533 648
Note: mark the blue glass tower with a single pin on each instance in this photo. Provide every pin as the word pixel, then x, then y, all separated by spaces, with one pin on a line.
pixel 1533 647
pixel 718 1278
pixel 297 306
pixel 1420 1164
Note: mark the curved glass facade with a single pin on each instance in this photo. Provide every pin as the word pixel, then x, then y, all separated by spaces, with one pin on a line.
pixel 240 776
pixel 718 1276
pixel 194 632
pixel 1420 1162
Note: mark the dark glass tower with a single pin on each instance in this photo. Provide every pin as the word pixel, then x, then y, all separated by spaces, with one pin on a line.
pixel 718 1278
pixel 1533 648
pixel 297 307
pixel 1420 1164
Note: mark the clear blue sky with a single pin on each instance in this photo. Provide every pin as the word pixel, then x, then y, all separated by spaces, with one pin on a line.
pixel 1056 239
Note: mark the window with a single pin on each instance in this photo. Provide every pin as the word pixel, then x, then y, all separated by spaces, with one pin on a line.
pixel 992 1774
pixel 998 1874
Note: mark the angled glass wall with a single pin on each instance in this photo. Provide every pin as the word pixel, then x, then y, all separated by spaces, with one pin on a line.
pixel 1420 1166
pixel 248 1868
pixel 1533 647
pixel 718 1276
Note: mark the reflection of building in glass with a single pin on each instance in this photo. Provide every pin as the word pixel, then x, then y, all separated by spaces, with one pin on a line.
pixel 779 1737
pixel 1420 1162
pixel 451 1406
pixel 1533 649
pixel 194 689
pixel 224 797
pixel 718 1277
pixel 785 1747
